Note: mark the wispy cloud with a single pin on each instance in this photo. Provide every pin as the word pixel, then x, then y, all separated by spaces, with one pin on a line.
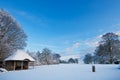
pixel 116 26
pixel 68 50
pixel 92 42
pixel 44 45
pixel 72 49
pixel 39 47
pixel 39 20
pixel 85 46
pixel 23 13
pixel 76 45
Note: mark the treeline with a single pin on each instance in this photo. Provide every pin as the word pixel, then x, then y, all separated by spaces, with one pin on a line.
pixel 107 52
pixel 70 60
pixel 45 57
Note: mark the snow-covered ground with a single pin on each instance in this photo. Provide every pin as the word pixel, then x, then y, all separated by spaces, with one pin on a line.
pixel 65 72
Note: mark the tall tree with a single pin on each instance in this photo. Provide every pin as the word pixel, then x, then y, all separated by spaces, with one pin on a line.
pixel 109 48
pixel 12 36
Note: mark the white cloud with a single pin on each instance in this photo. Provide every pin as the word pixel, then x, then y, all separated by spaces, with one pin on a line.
pixel 76 45
pixel 91 43
pixel 72 48
pixel 39 47
pixel 99 37
pixel 118 33
pixel 84 46
pixel 68 50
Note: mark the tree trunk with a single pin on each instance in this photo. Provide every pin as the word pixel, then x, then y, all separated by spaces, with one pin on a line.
pixel 111 60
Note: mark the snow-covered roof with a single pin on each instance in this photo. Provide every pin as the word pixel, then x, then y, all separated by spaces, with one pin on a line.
pixel 19 55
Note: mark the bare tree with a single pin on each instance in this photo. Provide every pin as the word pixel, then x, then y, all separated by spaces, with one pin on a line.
pixel 12 36
pixel 46 56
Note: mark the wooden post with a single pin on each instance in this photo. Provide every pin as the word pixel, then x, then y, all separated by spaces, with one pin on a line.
pixel 22 65
pixel 14 65
pixel 33 64
pixel 93 68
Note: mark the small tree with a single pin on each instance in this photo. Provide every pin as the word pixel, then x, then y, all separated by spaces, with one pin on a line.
pixel 56 58
pixel 76 61
pixel 38 58
pixel 88 59
pixel 71 60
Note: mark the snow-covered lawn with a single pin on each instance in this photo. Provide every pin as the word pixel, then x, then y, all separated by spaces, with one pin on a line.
pixel 65 72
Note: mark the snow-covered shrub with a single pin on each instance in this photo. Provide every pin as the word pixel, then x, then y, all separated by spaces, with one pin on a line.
pixel 3 70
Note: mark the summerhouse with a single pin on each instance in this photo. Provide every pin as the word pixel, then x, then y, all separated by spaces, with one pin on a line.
pixel 18 61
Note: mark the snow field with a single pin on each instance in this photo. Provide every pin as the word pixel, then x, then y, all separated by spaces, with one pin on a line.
pixel 65 72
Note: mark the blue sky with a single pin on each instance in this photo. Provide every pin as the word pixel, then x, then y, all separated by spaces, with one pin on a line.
pixel 65 26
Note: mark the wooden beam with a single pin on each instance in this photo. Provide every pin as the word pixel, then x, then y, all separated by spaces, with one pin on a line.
pixel 14 65
pixel 33 64
pixel 22 65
